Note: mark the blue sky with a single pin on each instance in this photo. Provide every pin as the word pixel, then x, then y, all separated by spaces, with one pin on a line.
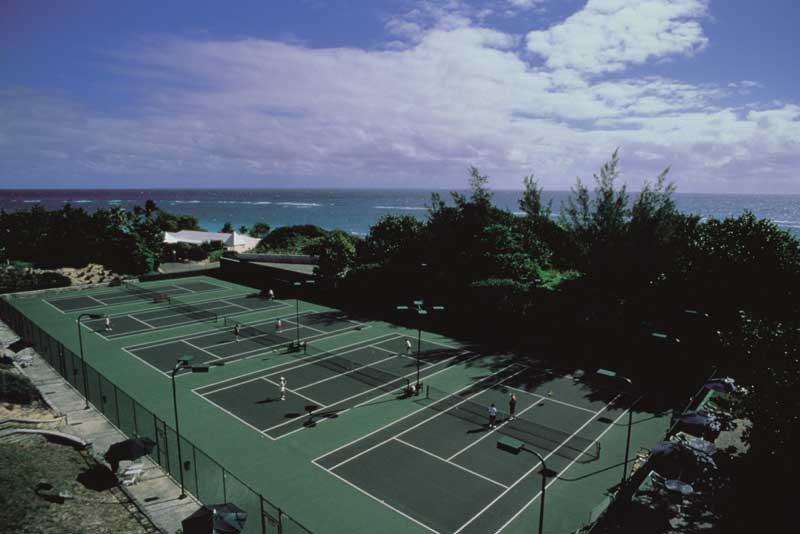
pixel 401 93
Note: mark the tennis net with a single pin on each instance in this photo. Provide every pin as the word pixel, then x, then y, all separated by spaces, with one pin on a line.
pixel 541 437
pixel 361 371
pixel 193 312
pixel 261 334
pixel 142 292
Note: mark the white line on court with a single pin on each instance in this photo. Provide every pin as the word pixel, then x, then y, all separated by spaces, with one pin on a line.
pixel 555 478
pixel 491 431
pixel 373 399
pixel 309 399
pixel 234 304
pixel 202 349
pixel 338 373
pixel 62 312
pixel 423 525
pixel 445 460
pixel 550 399
pixel 289 363
pixel 523 477
pixel 362 393
pixel 159 371
pixel 148 325
pixel 228 412
pixel 424 420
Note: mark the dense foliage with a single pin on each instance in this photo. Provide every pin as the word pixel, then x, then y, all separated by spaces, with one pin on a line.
pixel 123 241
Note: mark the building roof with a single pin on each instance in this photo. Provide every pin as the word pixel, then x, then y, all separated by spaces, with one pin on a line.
pixel 195 237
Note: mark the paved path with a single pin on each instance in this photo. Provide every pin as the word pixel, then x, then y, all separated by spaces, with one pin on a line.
pixel 155 492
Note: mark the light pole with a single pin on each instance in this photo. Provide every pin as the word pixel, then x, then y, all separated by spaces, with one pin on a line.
pixel 297 306
pixel 544 488
pixel 183 363
pixel 612 374
pixel 83 362
pixel 419 309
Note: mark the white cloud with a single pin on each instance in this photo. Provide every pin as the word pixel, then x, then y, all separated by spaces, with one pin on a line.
pixel 608 35
pixel 276 113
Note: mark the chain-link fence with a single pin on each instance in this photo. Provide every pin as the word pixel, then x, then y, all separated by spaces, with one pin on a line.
pixel 203 476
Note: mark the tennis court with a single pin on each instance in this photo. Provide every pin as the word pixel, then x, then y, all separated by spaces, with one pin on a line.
pixel 325 385
pixel 178 313
pixel 353 447
pixel 125 295
pixel 220 345
pixel 443 468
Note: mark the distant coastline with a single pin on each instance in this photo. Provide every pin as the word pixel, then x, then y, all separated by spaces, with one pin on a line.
pixel 353 210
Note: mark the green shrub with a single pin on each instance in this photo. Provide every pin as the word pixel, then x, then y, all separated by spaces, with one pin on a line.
pixel 16 388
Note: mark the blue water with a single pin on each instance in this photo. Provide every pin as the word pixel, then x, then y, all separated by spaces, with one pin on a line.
pixel 354 210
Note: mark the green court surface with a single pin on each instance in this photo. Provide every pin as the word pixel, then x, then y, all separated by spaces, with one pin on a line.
pixel 347 446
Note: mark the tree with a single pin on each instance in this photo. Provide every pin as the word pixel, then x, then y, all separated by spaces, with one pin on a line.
pixel 259 229
pixel 243 230
pixel 531 201
pixel 598 224
pixel 393 238
pixel 336 255
pixel 227 228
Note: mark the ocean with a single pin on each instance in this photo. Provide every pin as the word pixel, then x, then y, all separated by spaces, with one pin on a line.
pixel 354 210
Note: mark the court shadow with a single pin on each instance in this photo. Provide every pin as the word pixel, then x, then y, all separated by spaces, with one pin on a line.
pixel 268 400
pixel 479 430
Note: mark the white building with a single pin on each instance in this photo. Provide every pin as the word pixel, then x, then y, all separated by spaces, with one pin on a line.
pixel 235 242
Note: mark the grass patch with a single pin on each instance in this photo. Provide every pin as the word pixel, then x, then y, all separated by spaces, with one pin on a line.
pixel 16 388
pixel 88 506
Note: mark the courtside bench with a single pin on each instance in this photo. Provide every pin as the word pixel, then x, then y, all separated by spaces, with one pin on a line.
pixel 510 444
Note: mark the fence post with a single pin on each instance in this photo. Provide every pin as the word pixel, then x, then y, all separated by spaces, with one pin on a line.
pixel 263 519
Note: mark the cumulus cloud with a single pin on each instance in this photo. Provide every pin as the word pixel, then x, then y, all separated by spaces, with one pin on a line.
pixel 609 35
pixel 276 113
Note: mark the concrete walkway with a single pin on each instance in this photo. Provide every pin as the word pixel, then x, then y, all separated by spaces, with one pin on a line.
pixel 155 493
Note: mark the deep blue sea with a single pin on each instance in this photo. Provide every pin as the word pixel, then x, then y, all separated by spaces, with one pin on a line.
pixel 354 210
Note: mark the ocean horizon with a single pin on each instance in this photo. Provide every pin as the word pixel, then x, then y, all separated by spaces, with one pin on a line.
pixel 355 210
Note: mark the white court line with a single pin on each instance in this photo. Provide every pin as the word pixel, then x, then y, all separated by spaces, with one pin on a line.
pixel 492 431
pixel 148 325
pixel 189 290
pixel 316 402
pixel 523 477
pixel 142 360
pixel 227 412
pixel 289 363
pixel 373 399
pixel 414 372
pixel 364 393
pixel 234 304
pixel 180 337
pixel 439 414
pixel 301 325
pixel 550 399
pixel 246 355
pixel 555 478
pixel 423 525
pixel 338 374
pixel 202 349
pixel 62 312
pixel 470 471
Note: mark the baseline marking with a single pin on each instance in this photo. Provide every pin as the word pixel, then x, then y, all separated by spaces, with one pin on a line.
pixel 445 460
pixel 550 399
pixel 555 478
pixel 423 421
pixel 491 431
pixel 532 469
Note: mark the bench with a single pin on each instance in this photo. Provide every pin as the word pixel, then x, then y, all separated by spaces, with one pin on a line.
pixel 510 444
